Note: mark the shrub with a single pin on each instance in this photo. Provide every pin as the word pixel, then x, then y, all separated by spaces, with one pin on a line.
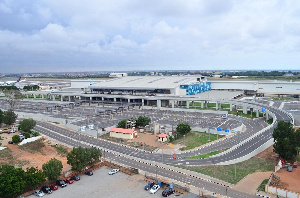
pixel 27 135
pixel 35 133
pixel 16 139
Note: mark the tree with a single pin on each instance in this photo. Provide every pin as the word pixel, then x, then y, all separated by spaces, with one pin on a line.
pixel 52 169
pixel 16 139
pixel 183 129
pixel 27 124
pixel 12 181
pixel 1 116
pixel 77 158
pixel 286 140
pixel 34 177
pixel 9 117
pixel 95 155
pixel 143 121
pixel 12 96
pixel 80 157
pixel 122 124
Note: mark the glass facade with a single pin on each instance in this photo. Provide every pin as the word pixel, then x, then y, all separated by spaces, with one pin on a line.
pixel 196 88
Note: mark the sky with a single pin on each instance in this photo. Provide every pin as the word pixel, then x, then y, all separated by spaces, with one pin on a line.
pixel 114 35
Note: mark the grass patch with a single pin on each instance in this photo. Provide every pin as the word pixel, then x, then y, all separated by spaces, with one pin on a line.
pixel 284 99
pixel 6 157
pixel 248 115
pixel 61 150
pixel 206 155
pixel 195 139
pixel 262 186
pixel 33 147
pixel 270 121
pixel 55 122
pixel 227 173
pixel 209 105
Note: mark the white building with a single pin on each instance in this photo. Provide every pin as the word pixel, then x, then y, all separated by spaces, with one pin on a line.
pixel 117 75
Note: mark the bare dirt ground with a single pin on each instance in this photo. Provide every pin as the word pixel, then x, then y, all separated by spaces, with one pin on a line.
pixel 14 155
pixel 288 180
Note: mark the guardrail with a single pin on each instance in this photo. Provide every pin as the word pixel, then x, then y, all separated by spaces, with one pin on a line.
pixel 249 138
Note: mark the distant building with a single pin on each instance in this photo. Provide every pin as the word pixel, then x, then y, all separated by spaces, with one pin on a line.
pixel 117 75
pixel 288 74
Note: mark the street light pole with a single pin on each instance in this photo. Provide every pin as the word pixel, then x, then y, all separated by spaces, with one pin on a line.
pixel 162 155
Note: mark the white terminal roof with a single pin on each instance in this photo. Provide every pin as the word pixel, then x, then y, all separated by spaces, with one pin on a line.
pixel 146 82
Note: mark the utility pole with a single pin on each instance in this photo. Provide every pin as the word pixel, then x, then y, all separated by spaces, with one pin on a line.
pixel 162 155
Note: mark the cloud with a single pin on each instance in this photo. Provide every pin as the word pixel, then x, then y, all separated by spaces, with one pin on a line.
pixel 47 35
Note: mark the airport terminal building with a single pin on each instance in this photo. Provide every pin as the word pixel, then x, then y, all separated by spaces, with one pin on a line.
pixel 165 91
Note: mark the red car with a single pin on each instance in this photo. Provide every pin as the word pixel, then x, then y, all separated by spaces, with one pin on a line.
pixel 54 187
pixel 69 181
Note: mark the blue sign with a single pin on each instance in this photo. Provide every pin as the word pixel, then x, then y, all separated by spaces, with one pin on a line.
pixel 227 130
pixel 219 129
pixel 263 110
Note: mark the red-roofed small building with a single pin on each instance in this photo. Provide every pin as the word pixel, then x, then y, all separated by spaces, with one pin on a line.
pixel 122 133
pixel 162 137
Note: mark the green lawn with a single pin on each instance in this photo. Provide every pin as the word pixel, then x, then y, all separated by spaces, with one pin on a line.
pixel 209 105
pixel 240 113
pixel 195 139
pixel 227 173
pixel 284 99
pixel 263 184
pixel 206 155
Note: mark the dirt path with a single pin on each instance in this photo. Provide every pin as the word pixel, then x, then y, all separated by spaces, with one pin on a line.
pixel 250 183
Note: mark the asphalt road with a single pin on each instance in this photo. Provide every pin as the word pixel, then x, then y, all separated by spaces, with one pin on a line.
pixel 138 159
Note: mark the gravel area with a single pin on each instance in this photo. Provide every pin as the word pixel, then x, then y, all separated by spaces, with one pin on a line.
pixel 101 184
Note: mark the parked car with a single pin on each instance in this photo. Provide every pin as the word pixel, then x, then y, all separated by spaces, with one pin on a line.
pixel 47 189
pixel 149 185
pixel 69 181
pixel 54 187
pixel 167 192
pixel 20 135
pixel 89 173
pixel 61 183
pixel 154 189
pixel 38 193
pixel 10 142
pixel 75 178
pixel 113 171
pixel 11 131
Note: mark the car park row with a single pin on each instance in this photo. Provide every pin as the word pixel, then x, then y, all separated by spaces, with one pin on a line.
pixel 59 183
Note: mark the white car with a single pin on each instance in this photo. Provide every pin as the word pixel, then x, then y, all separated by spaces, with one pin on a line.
pixel 38 193
pixel 154 189
pixel 113 171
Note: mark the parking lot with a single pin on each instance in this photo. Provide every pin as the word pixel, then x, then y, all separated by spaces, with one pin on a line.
pixel 101 184
pixel 85 114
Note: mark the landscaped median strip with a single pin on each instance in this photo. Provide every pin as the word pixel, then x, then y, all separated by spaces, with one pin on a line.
pixel 206 155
